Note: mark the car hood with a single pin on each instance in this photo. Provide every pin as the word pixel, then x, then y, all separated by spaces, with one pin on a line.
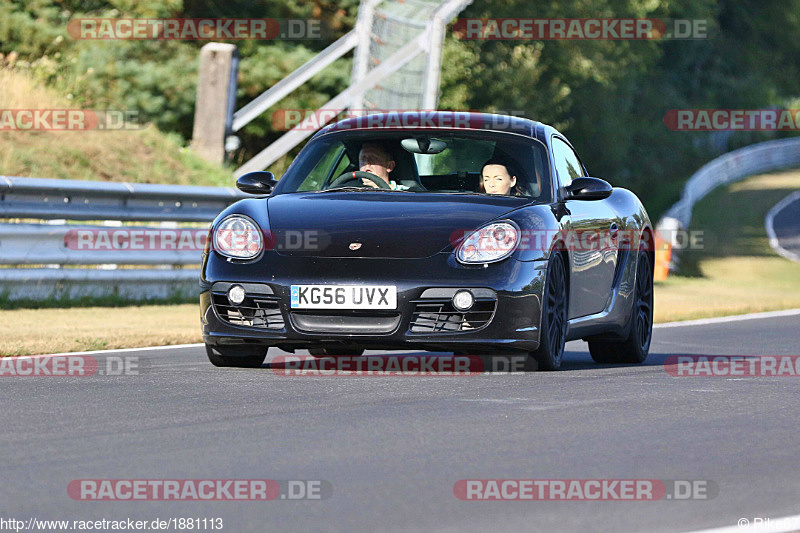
pixel 377 224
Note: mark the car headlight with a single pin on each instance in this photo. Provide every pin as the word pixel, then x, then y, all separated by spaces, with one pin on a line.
pixel 490 243
pixel 238 237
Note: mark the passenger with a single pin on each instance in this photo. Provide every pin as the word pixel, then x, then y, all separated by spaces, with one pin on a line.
pixel 496 178
pixel 375 158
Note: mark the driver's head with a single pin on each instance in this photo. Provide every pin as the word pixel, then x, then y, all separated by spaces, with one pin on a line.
pixel 375 157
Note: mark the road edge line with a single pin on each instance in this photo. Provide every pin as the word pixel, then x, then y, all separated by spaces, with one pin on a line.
pixel 731 318
pixel 142 348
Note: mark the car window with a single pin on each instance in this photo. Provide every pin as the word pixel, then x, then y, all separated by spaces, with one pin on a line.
pixel 341 168
pixel 456 169
pixel 466 155
pixel 321 171
pixel 567 164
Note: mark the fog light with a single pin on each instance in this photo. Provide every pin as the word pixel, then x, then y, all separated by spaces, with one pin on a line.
pixel 236 294
pixel 463 300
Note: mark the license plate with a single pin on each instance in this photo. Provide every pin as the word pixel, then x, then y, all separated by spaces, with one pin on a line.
pixel 343 297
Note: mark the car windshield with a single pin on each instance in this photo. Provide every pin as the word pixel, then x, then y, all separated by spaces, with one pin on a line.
pixel 439 162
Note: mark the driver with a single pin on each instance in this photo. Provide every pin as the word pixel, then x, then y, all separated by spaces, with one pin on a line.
pixel 376 159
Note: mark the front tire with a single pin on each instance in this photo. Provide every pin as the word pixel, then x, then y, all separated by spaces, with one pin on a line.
pixel 237 356
pixel 634 349
pixel 553 331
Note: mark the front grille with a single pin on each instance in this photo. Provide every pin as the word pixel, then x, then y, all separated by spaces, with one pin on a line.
pixel 258 310
pixel 439 316
pixel 356 323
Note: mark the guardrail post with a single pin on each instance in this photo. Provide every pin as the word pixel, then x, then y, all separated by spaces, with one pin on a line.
pixel 216 85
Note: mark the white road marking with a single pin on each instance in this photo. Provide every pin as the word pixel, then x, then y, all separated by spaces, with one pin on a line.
pixel 732 318
pixel 167 347
pixel 768 222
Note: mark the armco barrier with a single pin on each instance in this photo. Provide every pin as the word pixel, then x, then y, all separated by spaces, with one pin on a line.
pixel 94 200
pixel 726 169
pixel 50 199
pixel 37 262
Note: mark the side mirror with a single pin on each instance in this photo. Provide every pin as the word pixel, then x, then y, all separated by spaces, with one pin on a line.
pixel 258 182
pixel 588 189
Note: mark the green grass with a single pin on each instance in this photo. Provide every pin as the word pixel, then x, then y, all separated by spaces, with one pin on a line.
pixel 139 156
pixel 736 271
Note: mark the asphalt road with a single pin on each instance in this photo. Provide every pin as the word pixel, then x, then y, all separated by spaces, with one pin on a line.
pixel 393 447
pixel 786 225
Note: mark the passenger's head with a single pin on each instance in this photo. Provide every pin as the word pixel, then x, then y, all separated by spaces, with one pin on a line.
pixel 497 177
pixel 376 158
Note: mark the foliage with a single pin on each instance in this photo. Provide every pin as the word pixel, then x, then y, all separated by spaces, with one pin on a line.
pixel 608 97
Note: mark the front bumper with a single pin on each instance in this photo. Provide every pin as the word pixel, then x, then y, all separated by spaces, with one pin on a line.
pixel 511 289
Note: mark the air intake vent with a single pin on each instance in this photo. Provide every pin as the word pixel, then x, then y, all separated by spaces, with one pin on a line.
pixel 439 316
pixel 260 309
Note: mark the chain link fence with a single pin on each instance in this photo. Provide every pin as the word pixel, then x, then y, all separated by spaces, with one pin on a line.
pixel 395 24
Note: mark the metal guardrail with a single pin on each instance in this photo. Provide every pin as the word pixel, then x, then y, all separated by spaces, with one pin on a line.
pixel 96 200
pixel 724 170
pixel 729 168
pixel 37 244
pixel 769 223
pixel 34 255
pixel 141 284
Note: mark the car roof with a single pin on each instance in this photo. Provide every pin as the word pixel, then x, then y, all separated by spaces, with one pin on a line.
pixel 442 121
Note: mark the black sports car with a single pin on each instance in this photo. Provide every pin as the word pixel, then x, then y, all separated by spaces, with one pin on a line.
pixel 462 232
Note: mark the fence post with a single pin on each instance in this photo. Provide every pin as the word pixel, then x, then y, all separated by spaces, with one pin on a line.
pixel 216 86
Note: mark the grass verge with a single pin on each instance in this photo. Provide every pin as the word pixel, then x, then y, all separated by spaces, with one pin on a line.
pixel 39 331
pixel 736 271
pixel 137 155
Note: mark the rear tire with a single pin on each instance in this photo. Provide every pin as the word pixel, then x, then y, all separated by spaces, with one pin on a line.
pixel 553 331
pixel 237 356
pixel 334 352
pixel 633 349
